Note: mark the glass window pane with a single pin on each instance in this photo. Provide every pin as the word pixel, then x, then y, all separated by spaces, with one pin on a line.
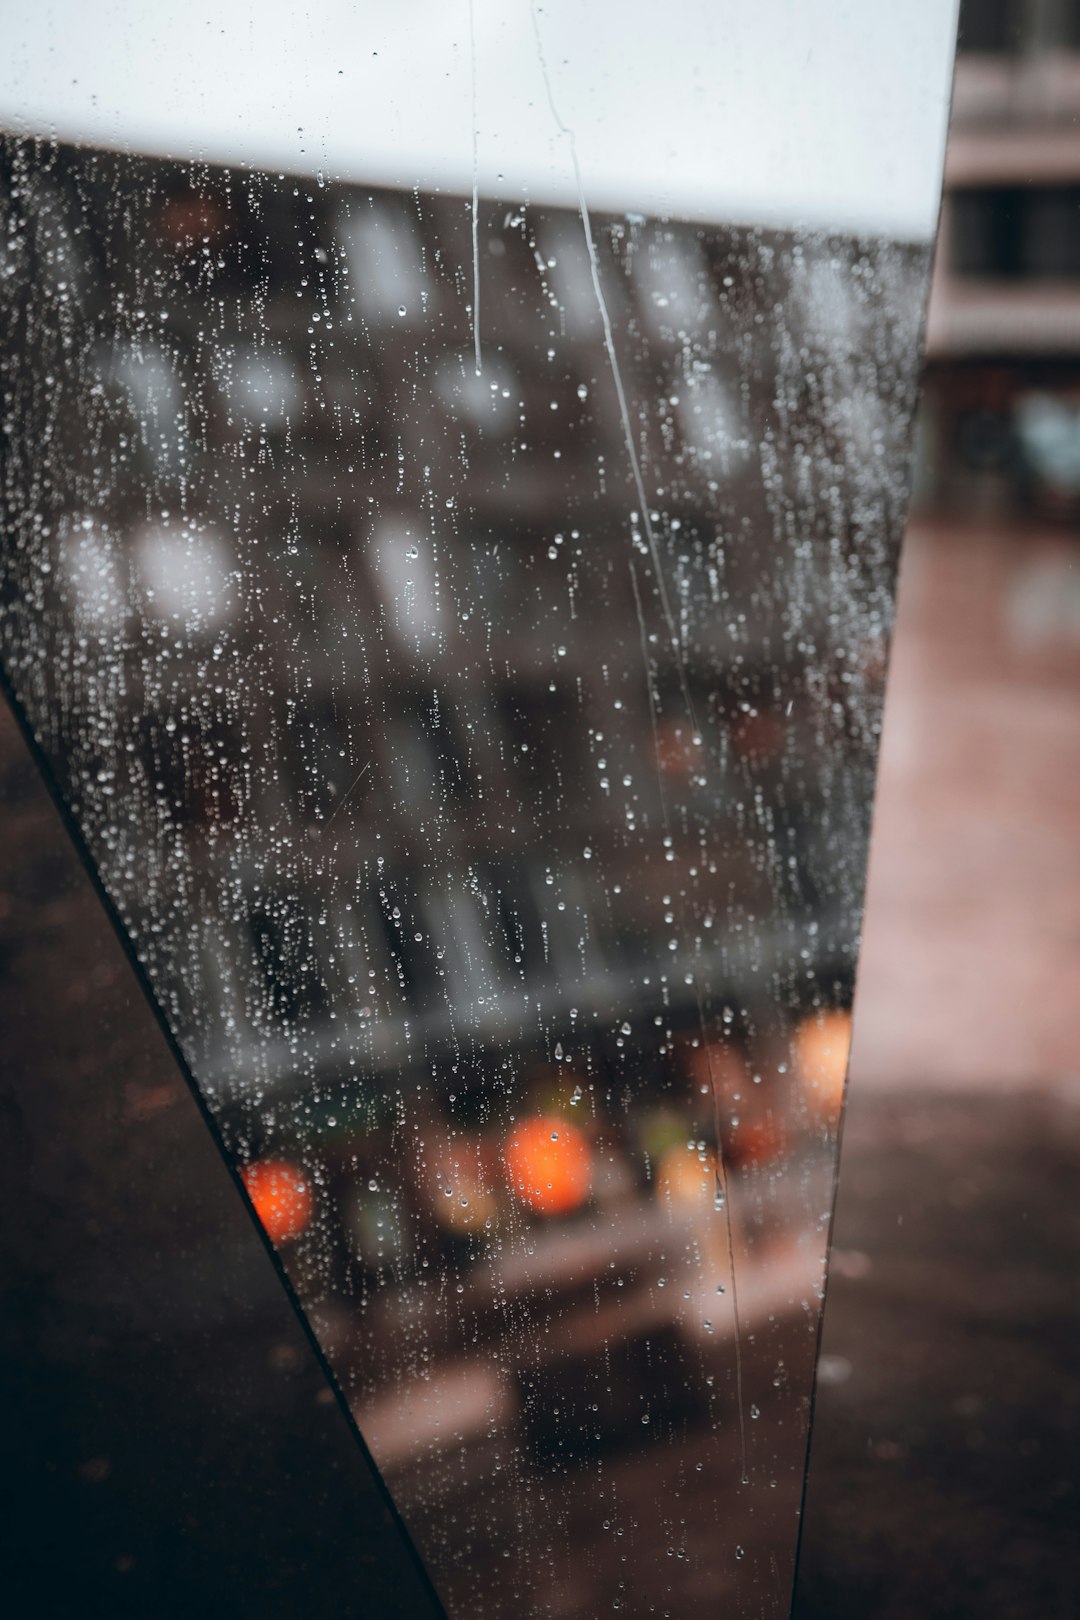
pixel 456 605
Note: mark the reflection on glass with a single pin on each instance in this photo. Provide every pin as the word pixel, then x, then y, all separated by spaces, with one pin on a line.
pixel 481 757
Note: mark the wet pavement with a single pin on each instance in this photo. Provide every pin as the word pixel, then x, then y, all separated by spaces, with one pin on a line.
pixel 944 1477
pixel 970 970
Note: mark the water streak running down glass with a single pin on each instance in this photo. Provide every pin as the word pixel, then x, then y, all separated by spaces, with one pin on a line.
pixel 457 612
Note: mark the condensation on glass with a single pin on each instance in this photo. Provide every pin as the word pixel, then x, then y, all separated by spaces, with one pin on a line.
pixel 476 732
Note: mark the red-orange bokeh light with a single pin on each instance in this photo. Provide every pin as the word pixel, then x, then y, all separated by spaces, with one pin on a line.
pixel 549 1164
pixel 756 1142
pixel 822 1045
pixel 281 1194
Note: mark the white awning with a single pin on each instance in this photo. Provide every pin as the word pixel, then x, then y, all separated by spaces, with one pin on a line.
pixel 793 112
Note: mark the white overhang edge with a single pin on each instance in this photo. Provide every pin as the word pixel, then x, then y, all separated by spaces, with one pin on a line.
pixel 800 113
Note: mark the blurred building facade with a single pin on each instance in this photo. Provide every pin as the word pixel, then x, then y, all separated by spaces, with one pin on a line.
pixel 1001 428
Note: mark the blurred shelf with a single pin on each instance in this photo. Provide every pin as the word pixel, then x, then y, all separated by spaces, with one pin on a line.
pixel 465 1397
pixel 743 966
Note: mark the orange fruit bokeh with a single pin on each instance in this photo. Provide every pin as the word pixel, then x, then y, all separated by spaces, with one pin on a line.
pixel 549 1164
pixel 281 1194
pixel 717 1068
pixel 756 1141
pixel 822 1044
pixel 687 1177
